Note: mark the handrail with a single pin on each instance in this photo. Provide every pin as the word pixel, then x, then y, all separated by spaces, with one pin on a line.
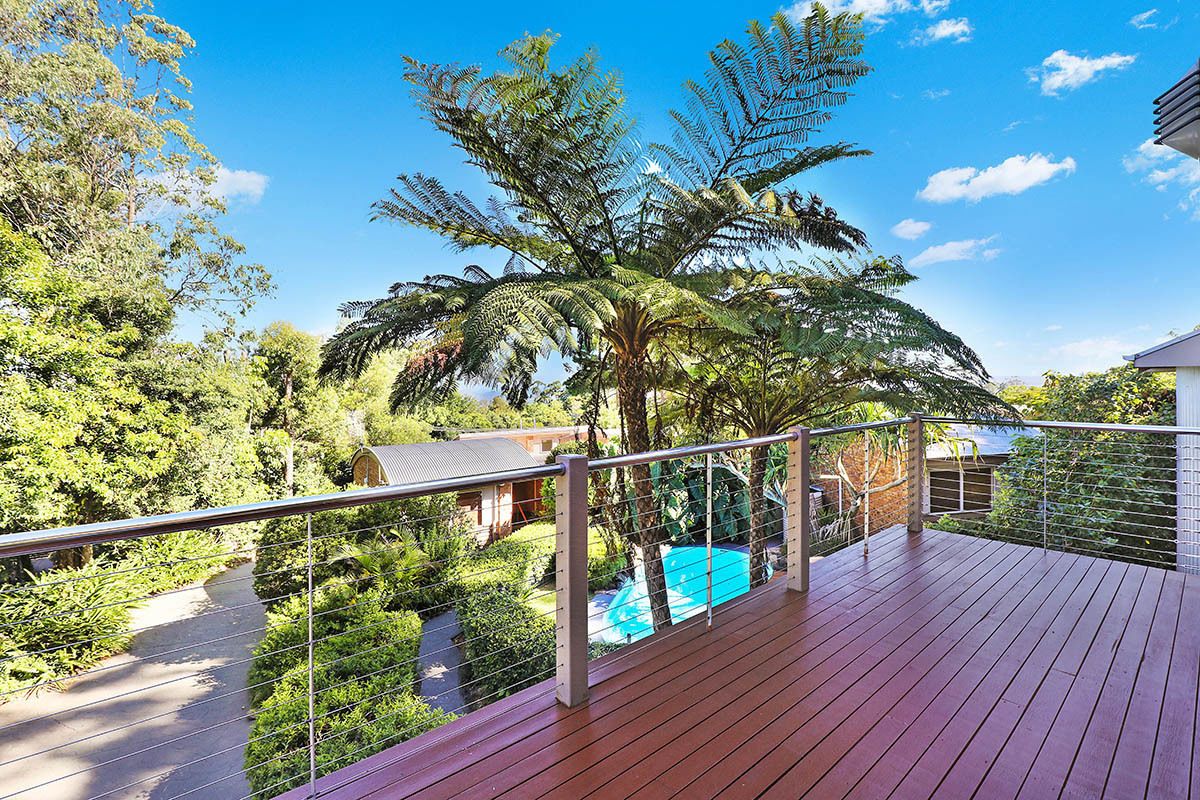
pixel 1081 426
pixel 40 541
pixel 30 542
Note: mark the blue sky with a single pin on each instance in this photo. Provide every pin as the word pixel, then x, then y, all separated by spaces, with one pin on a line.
pixel 1009 136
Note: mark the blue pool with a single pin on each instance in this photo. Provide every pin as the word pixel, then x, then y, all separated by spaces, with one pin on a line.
pixel 628 615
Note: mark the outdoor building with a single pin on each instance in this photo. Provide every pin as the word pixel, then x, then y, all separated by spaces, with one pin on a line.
pixel 538 442
pixel 494 510
pixel 962 468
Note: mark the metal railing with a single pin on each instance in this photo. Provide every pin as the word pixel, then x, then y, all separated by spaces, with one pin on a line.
pixel 1127 492
pixel 194 657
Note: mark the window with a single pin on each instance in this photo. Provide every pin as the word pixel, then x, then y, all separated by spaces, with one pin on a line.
pixel 953 490
pixel 547 445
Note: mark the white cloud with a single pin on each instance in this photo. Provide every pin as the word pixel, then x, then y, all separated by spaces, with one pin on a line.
pixel 1012 126
pixel 957 30
pixel 1164 168
pixel 962 250
pixel 874 11
pixel 1011 176
pixel 1143 20
pixel 1093 354
pixel 911 229
pixel 935 94
pixel 239 185
pixel 1053 328
pixel 1061 70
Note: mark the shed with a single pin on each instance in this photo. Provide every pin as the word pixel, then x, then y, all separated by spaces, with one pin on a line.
pixel 960 471
pixel 494 510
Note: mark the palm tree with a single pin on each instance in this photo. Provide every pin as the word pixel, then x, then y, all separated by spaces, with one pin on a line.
pixel 827 339
pixel 608 245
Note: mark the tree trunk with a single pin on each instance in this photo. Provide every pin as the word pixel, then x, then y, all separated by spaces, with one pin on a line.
pixel 289 455
pixel 758 516
pixel 631 394
pixel 289 468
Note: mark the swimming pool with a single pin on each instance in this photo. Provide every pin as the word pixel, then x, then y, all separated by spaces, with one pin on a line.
pixel 628 615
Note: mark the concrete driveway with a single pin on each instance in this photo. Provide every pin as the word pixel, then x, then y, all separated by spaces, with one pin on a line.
pixel 133 729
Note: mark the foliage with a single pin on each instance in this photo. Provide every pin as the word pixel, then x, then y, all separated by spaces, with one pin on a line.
pixel 1095 492
pixel 98 161
pixel 364 677
pixel 281 567
pixel 507 646
pixel 516 563
pixel 605 258
pixel 354 720
pixel 352 628
pixel 63 622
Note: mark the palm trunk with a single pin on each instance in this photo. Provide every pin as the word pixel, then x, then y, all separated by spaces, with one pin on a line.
pixel 631 394
pixel 758 516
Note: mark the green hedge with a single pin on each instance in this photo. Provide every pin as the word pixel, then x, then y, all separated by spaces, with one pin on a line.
pixel 507 646
pixel 366 671
pixel 517 563
pixel 345 621
pixel 353 720
pixel 80 616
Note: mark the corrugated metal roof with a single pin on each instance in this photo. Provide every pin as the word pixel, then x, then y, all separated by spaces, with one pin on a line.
pixel 427 461
pixel 970 441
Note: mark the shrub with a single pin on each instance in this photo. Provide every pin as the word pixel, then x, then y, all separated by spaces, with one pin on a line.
pixel 65 621
pixel 354 719
pixel 517 563
pixel 350 628
pixel 507 646
pixel 281 567
pixel 603 572
pixel 170 560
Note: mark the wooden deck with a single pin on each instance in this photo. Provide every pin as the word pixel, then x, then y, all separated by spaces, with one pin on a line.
pixel 941 665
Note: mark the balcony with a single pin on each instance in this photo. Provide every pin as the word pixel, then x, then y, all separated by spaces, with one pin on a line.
pixel 1045 650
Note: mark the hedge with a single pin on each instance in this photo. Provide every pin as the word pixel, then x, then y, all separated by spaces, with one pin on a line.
pixel 517 563
pixel 67 620
pixel 353 720
pixel 507 646
pixel 366 671
pixel 347 625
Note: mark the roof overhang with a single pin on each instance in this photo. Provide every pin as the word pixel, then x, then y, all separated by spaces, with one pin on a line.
pixel 1182 351
pixel 1177 115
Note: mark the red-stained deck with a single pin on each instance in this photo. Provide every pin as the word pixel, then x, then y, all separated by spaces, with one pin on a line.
pixel 940 665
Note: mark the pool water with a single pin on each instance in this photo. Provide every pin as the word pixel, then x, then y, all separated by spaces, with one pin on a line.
pixel 628 615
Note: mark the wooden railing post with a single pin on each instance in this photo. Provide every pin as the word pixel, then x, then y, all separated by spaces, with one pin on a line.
pixel 799 509
pixel 916 473
pixel 570 580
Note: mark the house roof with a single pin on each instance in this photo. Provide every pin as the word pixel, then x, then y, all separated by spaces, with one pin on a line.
pixel 427 461
pixel 573 429
pixel 974 441
pixel 1182 351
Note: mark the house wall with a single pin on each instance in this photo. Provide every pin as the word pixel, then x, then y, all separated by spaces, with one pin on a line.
pixel 969 480
pixel 888 507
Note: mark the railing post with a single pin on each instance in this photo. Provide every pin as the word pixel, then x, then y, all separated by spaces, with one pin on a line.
pixel 1045 493
pixel 708 522
pixel 312 694
pixel 799 509
pixel 570 580
pixel 916 473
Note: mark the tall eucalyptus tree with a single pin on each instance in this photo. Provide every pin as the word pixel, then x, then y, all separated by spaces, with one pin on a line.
pixel 608 243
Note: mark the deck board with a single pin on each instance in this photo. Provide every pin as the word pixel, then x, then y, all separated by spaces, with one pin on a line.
pixel 938 665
